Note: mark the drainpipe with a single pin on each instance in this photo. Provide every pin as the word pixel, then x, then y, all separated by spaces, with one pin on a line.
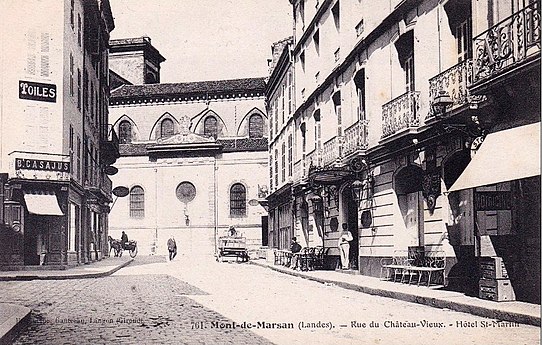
pixel 215 201
pixel 155 240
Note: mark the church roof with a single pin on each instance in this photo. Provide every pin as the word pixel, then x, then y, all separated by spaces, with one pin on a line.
pixel 190 88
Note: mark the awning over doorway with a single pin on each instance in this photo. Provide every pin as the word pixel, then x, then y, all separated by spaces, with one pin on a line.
pixel 507 155
pixel 42 204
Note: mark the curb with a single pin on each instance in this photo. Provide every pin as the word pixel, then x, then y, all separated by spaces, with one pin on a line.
pixel 16 323
pixel 428 301
pixel 67 275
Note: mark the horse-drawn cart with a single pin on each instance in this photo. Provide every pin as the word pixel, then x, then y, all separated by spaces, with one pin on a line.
pixel 232 246
pixel 117 247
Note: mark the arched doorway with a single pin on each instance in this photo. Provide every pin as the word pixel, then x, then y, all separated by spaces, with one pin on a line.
pixel 408 188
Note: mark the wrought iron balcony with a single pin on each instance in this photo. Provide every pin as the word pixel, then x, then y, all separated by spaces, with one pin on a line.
pixel 356 137
pixel 401 113
pixel 96 181
pixel 330 152
pixel 312 159
pixel 508 44
pixel 106 186
pixel 453 82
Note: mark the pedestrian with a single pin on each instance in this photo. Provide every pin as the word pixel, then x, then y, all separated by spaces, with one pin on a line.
pixel 344 246
pixel 295 248
pixel 172 248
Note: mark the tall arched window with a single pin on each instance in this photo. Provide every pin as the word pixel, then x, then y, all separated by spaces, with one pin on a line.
pixel 210 127
pixel 255 126
pixel 238 200
pixel 137 202
pixel 125 132
pixel 166 128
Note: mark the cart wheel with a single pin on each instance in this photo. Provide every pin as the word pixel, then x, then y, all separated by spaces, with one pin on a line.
pixel 133 252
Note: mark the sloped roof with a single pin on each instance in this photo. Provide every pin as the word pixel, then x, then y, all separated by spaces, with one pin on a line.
pixel 191 88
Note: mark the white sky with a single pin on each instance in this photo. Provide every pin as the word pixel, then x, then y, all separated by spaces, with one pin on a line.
pixel 206 39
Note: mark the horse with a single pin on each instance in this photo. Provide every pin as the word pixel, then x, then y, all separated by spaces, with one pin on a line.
pixel 116 245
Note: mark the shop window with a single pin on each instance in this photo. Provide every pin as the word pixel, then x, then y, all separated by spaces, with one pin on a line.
pixel 238 200
pixel 210 127
pixel 125 132
pixel 255 126
pixel 166 128
pixel 137 202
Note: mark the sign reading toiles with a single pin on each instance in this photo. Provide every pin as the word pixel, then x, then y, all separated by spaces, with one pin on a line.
pixel 37 91
pixel 40 164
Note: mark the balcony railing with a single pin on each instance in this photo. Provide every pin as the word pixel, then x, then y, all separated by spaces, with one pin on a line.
pixel 106 186
pixel 97 181
pixel 401 113
pixel 508 43
pixel 330 153
pixel 312 159
pixel 355 137
pixel 454 82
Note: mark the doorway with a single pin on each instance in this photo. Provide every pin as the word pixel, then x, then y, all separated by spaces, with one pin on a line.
pixel 35 238
pixel 350 209
pixel 408 187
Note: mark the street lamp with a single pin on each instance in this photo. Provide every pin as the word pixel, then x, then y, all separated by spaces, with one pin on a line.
pixel 441 102
pixel 357 190
pixel 317 203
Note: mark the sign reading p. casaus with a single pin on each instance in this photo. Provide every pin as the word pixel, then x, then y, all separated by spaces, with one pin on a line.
pixel 37 91
pixel 40 164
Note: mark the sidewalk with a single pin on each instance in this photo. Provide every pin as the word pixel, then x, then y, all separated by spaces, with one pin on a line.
pixel 96 269
pixel 14 318
pixel 519 312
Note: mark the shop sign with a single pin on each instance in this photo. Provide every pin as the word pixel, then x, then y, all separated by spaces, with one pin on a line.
pixel 37 91
pixel 40 164
pixel 431 189
pixel 492 201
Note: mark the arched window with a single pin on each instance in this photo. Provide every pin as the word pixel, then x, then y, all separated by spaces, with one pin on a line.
pixel 255 126
pixel 238 200
pixel 166 128
pixel 125 132
pixel 137 202
pixel 210 128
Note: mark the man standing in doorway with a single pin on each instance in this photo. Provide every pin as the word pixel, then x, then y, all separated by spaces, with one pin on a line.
pixel 172 248
pixel 344 246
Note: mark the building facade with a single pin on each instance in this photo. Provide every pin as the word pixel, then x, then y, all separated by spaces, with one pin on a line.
pixel 408 124
pixel 193 155
pixel 55 142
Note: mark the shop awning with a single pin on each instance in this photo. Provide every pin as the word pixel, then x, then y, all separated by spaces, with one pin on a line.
pixel 43 204
pixel 503 156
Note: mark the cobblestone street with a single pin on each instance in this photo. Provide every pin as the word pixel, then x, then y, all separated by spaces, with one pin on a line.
pixel 197 301
pixel 146 309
